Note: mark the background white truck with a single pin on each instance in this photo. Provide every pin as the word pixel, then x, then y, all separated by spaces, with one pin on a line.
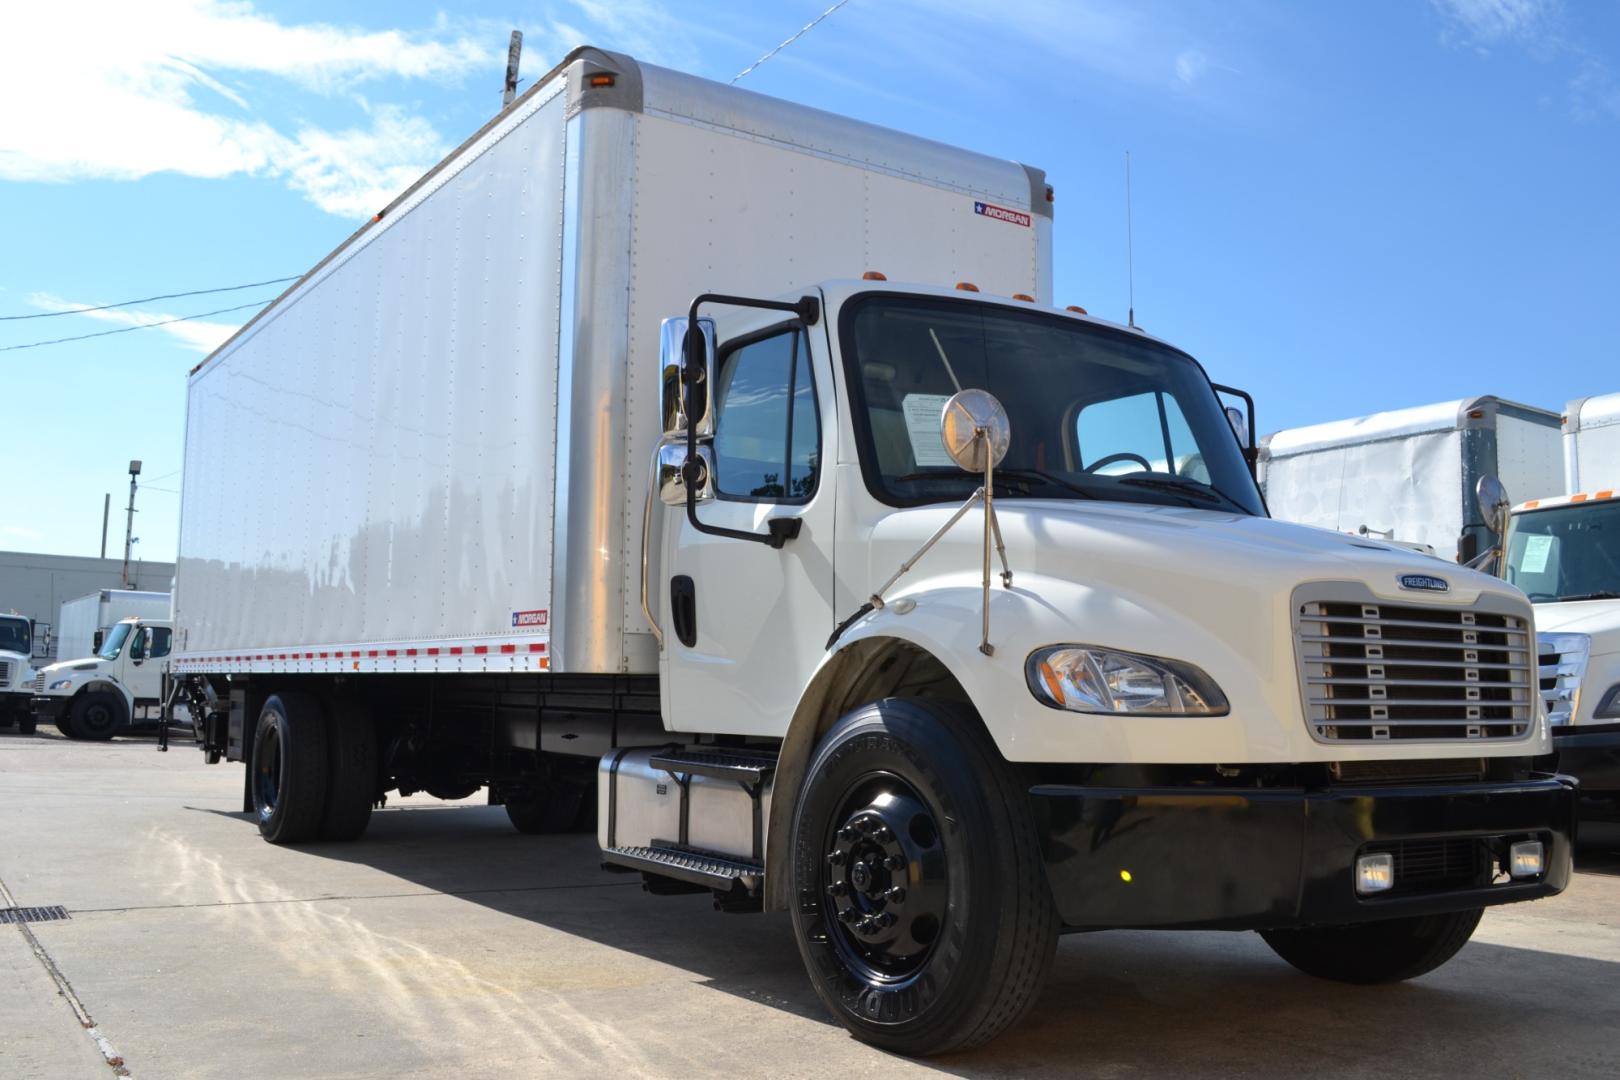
pixel 601 453
pixel 1591 443
pixel 1410 475
pixel 16 671
pixel 84 622
pixel 119 685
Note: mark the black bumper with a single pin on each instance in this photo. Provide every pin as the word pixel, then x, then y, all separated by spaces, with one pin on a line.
pixel 49 708
pixel 1591 754
pixel 1246 859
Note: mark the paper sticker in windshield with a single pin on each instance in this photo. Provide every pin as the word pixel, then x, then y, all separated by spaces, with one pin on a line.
pixel 923 415
pixel 1536 550
pixel 1001 213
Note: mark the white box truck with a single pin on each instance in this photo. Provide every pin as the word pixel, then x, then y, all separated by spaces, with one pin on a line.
pixel 16 671
pixel 1410 475
pixel 1592 443
pixel 608 457
pixel 83 623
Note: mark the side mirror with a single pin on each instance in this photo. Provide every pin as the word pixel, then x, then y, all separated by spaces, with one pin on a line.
pixel 1493 503
pixel 1240 425
pixel 672 358
pixel 95 641
pixel 671 479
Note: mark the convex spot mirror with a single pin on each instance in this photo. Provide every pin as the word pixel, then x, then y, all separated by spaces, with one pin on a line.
pixel 967 413
pixel 672 358
pixel 1493 503
pixel 671 479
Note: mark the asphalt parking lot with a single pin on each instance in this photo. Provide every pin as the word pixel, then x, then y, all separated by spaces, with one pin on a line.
pixel 445 944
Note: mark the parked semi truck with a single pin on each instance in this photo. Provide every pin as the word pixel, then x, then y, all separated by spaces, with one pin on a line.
pixel 16 671
pixel 119 685
pixel 1410 475
pixel 729 468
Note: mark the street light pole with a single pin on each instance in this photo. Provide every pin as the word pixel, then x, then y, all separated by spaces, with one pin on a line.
pixel 129 518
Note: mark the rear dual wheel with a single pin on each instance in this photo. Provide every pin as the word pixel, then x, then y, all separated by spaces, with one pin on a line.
pixel 919 900
pixel 313 776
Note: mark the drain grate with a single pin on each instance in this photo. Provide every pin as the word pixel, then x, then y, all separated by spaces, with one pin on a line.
pixel 32 914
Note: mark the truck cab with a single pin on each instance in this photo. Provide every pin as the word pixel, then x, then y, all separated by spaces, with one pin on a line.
pixel 95 697
pixel 1564 552
pixel 16 671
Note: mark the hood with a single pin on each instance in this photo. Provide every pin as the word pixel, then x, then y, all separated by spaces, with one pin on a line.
pixel 84 663
pixel 1117 541
pixel 1595 617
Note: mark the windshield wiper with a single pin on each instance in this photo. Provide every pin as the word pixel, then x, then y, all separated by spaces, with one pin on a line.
pixel 1011 475
pixel 1182 486
pixel 1591 596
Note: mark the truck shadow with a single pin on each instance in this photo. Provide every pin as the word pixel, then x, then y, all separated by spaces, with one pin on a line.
pixel 1118 1003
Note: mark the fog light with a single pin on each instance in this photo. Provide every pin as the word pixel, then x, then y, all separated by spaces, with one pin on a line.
pixel 1527 858
pixel 1375 873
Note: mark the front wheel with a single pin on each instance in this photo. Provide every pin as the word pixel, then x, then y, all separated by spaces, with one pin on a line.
pixel 95 715
pixel 919 901
pixel 1387 951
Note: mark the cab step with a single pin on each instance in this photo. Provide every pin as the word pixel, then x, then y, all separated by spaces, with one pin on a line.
pixel 746 767
pixel 690 865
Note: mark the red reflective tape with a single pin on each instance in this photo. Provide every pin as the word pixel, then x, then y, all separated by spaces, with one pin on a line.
pixel 508 648
pixel 537 647
pixel 323 656
pixel 455 650
pixel 433 652
pixel 480 649
pixel 391 652
pixel 410 652
pixel 356 652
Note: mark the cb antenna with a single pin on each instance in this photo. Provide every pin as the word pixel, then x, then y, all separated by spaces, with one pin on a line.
pixel 1130 257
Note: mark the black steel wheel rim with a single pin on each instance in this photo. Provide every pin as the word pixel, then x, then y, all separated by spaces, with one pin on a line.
pixel 884 879
pixel 267 771
pixel 97 717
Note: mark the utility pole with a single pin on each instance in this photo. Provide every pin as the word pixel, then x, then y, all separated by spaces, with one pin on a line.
pixel 129 518
pixel 106 509
pixel 513 51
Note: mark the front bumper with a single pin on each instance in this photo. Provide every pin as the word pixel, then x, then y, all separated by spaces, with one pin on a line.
pixel 1252 858
pixel 49 707
pixel 1591 754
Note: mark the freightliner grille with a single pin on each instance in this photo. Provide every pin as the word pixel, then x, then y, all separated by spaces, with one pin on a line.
pixel 1376 671
pixel 1562 663
pixel 39 683
pixel 5 672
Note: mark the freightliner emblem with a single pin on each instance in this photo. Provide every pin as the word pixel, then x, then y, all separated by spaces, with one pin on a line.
pixel 1425 582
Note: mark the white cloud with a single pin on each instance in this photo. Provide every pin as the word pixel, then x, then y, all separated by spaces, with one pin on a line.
pixel 197 335
pixel 1483 23
pixel 1191 65
pixel 147 91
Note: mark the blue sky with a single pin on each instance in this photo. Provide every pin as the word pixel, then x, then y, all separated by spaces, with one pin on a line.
pixel 1343 208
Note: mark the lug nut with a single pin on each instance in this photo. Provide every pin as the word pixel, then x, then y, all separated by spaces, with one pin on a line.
pixel 896 895
pixel 837 888
pixel 895 862
pixel 864 824
pixel 835 857
pixel 882 834
pixel 849 832
pixel 847 915
pixel 886 919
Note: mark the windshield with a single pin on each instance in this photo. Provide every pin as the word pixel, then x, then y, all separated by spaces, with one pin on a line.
pixel 15 636
pixel 115 641
pixel 1095 413
pixel 1569 552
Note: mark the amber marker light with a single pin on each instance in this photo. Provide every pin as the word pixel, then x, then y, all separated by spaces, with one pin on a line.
pixel 1077 309
pixel 602 79
pixel 874 275
pixel 967 286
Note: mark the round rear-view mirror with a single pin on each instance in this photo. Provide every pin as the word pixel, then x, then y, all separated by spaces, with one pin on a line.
pixel 972 421
pixel 1493 502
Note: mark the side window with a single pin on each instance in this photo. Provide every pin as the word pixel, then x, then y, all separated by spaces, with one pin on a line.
pixel 1136 433
pixel 767 434
pixel 137 645
pixel 159 641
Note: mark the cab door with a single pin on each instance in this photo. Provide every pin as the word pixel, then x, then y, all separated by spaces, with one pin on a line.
pixel 744 623
pixel 143 661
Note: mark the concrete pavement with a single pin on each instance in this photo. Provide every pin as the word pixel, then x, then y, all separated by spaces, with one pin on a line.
pixel 445 944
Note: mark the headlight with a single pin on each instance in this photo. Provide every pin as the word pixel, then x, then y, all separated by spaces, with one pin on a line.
pixel 60 684
pixel 1085 678
pixel 1609 707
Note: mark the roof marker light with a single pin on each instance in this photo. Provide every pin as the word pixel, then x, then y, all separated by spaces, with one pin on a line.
pixel 601 79
pixel 874 275
pixel 1077 309
pixel 1028 299
pixel 967 286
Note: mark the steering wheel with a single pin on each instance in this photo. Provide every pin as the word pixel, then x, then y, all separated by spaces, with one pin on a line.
pixel 1123 455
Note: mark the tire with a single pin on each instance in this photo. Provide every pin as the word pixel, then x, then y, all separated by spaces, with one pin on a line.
pixel 95 716
pixel 27 724
pixel 1377 952
pixel 7 719
pixel 351 764
pixel 64 724
pixel 565 803
pixel 290 768
pixel 960 954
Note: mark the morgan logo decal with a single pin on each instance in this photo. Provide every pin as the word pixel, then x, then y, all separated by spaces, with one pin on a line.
pixel 1425 582
pixel 1001 213
pixel 528 619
